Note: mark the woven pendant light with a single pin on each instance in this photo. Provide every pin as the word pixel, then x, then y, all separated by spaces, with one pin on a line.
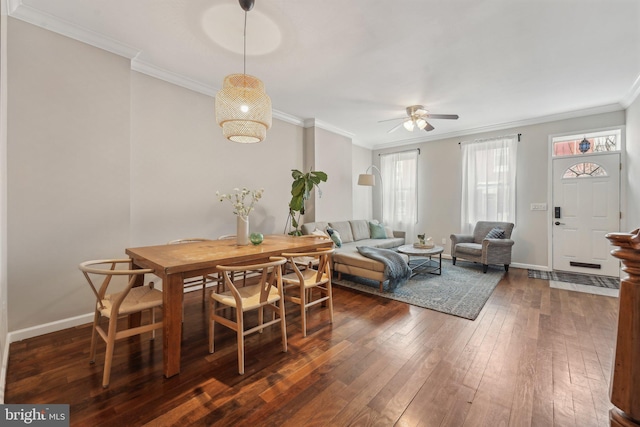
pixel 243 108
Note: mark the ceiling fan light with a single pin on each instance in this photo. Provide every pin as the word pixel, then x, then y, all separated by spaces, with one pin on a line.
pixel 409 125
pixel 422 123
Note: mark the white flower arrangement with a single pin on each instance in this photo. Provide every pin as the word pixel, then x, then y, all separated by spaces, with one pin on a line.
pixel 237 199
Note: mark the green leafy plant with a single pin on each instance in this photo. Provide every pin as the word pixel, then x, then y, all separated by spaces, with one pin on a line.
pixel 301 188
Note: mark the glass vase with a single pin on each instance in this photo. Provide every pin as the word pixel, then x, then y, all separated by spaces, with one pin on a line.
pixel 242 233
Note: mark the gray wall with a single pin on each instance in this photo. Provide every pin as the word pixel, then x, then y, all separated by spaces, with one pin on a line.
pixel 633 165
pixel 68 170
pixel 180 159
pixel 362 204
pixel 440 183
pixel 332 154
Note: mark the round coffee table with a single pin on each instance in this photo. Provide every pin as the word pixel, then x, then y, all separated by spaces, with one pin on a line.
pixel 420 260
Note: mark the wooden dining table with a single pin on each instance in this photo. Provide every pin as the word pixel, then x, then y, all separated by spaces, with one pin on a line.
pixel 174 263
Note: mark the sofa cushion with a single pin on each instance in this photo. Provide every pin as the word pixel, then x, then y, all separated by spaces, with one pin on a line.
pixel 360 229
pixel 309 227
pixel 376 243
pixel 357 260
pixel 344 228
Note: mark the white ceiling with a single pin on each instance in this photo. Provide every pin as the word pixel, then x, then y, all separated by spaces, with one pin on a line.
pixel 345 65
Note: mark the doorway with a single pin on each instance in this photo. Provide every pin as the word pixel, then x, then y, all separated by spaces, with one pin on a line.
pixel 586 206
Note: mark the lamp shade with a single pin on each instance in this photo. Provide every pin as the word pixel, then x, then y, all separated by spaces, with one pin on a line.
pixel 409 125
pixel 367 179
pixel 243 109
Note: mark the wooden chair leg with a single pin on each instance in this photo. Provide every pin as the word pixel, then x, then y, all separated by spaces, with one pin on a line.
pixel 108 355
pixel 212 324
pixel 283 325
pixel 240 333
pixel 153 320
pixel 94 333
pixel 330 295
pixel 303 311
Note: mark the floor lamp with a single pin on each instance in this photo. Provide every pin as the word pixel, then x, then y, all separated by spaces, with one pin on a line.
pixel 369 180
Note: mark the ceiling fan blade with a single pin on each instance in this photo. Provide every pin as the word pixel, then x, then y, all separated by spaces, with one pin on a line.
pixel 428 127
pixel 388 120
pixel 395 127
pixel 443 116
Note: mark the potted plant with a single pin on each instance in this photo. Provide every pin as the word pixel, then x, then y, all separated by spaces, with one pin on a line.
pixel 301 188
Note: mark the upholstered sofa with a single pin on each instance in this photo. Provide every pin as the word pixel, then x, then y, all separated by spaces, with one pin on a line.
pixel 354 233
pixel 481 247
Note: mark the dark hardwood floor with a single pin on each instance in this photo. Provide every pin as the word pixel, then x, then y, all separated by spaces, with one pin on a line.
pixel 534 356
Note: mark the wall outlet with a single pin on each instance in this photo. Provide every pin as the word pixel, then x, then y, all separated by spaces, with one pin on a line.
pixel 444 240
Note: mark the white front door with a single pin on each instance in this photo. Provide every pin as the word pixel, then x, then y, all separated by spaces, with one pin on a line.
pixel 586 191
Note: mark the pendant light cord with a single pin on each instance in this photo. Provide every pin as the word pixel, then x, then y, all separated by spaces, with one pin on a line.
pixel 244 48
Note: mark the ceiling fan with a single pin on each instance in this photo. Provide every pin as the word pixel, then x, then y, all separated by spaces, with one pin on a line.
pixel 417 117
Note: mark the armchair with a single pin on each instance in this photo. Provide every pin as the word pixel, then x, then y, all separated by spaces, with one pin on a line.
pixel 478 247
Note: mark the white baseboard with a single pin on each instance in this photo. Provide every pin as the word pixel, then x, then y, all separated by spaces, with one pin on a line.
pixel 515 264
pixel 34 331
pixel 530 266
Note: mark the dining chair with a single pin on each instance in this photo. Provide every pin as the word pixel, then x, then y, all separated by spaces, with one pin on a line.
pixel 200 281
pixel 266 293
pixel 245 274
pixel 126 300
pixel 316 275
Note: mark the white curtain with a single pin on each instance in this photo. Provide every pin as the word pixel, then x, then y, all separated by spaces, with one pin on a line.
pixel 488 181
pixel 400 191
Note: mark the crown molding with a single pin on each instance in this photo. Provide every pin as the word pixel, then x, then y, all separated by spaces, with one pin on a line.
pixel 18 10
pixel 326 126
pixel 171 77
pixel 196 86
pixel 507 125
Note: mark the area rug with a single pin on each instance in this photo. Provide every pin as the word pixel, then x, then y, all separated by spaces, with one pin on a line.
pixel 461 290
pixel 580 279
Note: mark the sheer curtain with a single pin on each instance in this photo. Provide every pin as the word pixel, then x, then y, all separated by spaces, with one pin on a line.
pixel 488 181
pixel 400 196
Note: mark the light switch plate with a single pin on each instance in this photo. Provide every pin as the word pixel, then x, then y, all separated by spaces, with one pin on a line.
pixel 538 206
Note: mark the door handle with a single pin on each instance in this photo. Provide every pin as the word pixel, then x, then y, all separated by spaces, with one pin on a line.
pixel 559 223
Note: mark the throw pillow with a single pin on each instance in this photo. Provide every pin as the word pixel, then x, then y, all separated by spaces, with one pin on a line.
pixel 377 231
pixel 389 232
pixel 335 236
pixel 317 232
pixel 495 233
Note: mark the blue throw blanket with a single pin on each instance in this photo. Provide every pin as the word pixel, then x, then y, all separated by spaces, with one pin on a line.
pixel 395 267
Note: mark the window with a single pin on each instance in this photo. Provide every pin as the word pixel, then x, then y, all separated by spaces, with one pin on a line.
pixel 488 181
pixel 400 182
pixel 594 142
pixel 581 170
